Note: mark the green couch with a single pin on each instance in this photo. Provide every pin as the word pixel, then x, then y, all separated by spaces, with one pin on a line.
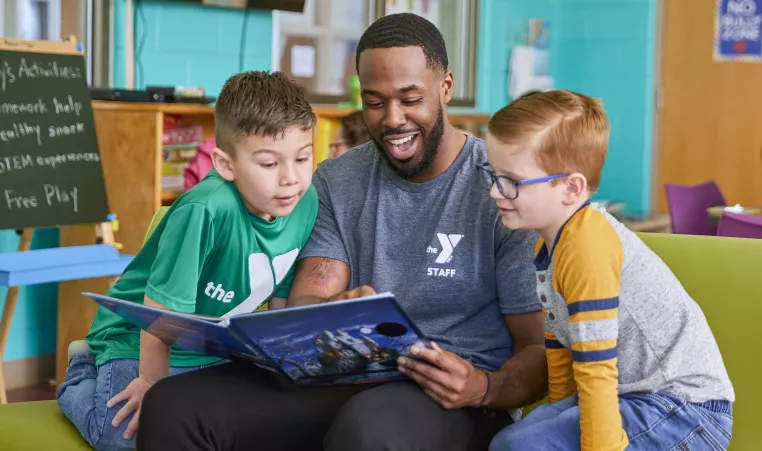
pixel 723 275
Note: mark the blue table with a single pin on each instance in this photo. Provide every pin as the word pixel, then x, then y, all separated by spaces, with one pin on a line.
pixel 60 264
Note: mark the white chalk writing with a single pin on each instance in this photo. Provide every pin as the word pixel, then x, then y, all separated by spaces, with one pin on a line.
pixel 15 163
pixel 67 130
pixel 19 130
pixel 54 195
pixel 68 158
pixel 69 107
pixel 38 107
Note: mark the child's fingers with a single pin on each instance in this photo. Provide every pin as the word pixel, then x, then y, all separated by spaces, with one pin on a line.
pixel 119 397
pixel 124 412
pixel 132 427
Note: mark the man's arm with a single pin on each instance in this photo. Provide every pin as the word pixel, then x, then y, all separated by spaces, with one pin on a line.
pixel 523 379
pixel 321 279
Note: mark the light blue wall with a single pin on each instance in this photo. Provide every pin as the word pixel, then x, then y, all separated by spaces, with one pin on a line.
pixel 502 25
pixel 191 45
pixel 33 330
pixel 601 48
pixel 606 49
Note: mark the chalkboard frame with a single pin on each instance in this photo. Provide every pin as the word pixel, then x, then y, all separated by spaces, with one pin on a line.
pixel 99 209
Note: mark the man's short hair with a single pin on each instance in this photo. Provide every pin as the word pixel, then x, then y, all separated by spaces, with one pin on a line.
pixel 405 30
pixel 568 132
pixel 259 102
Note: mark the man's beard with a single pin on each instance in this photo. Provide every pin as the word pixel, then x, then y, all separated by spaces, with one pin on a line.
pixel 430 149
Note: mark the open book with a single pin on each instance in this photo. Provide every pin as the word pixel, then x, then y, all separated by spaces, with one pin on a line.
pixel 335 343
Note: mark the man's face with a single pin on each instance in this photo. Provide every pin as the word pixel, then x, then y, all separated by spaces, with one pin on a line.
pixel 403 106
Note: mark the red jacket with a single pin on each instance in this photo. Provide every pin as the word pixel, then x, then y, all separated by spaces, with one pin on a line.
pixel 201 164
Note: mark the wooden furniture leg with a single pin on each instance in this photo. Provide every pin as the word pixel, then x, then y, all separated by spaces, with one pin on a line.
pixel 25 243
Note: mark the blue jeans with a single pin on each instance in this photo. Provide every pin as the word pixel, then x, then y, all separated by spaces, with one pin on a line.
pixel 652 421
pixel 84 393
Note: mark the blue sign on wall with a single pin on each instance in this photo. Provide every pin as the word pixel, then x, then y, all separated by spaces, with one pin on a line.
pixel 738 30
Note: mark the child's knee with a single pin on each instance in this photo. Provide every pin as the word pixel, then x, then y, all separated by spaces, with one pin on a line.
pixel 82 367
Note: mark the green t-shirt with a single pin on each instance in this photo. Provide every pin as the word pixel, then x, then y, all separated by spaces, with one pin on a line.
pixel 208 255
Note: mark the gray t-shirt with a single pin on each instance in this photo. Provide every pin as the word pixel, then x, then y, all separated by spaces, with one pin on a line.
pixel 439 246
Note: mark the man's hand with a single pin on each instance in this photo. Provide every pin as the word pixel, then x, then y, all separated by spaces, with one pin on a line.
pixel 133 394
pixel 363 290
pixel 448 379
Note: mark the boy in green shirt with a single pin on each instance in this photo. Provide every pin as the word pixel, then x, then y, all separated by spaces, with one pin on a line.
pixel 225 247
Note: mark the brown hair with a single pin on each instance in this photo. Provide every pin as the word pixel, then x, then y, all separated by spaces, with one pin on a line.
pixel 568 132
pixel 259 102
pixel 353 129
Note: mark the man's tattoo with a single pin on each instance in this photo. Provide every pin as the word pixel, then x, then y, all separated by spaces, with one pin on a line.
pixel 322 269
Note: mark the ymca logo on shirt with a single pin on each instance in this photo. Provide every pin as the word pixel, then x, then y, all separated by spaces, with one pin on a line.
pixel 264 275
pixel 444 254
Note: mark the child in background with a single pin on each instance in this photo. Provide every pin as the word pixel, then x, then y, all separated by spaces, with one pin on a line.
pixel 351 133
pixel 200 164
pixel 227 246
pixel 631 359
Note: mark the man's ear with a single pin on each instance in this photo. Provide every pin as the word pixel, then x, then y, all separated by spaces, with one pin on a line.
pixel 448 86
pixel 575 187
pixel 223 163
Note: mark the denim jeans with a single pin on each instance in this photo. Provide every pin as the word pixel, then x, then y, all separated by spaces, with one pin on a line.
pixel 652 421
pixel 84 393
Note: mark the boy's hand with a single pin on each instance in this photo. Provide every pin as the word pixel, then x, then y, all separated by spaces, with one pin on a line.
pixel 133 394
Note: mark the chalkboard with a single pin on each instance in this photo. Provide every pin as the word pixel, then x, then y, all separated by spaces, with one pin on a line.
pixel 50 170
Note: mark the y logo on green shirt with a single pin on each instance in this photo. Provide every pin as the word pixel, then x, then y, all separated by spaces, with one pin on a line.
pixel 264 275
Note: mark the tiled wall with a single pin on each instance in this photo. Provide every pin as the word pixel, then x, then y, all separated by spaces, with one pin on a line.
pixel 190 45
pixel 606 49
pixel 602 48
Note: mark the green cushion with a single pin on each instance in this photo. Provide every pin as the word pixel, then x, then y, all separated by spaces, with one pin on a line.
pixel 36 426
pixel 724 276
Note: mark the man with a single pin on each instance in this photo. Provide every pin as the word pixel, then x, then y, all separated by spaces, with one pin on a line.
pixel 406 213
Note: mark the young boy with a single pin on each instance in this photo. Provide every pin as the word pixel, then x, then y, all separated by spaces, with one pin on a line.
pixel 631 359
pixel 225 247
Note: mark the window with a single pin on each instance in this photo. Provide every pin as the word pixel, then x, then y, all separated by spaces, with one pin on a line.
pixel 34 20
pixel 317 47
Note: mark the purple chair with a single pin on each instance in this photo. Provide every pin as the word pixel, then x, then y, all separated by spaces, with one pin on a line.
pixel 740 226
pixel 688 204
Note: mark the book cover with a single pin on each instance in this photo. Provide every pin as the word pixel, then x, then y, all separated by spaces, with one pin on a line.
pixel 337 343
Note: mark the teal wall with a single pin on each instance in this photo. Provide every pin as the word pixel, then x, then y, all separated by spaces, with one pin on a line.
pixel 603 48
pixel 190 45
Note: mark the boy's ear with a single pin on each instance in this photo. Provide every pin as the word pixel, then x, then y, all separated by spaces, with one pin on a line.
pixel 223 163
pixel 575 187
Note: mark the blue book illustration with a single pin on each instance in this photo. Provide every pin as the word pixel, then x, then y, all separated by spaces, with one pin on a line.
pixel 336 343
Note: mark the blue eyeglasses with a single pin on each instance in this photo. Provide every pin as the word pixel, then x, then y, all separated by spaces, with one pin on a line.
pixel 508 186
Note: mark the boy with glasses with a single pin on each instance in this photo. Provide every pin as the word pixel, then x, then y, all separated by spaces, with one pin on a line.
pixel 632 362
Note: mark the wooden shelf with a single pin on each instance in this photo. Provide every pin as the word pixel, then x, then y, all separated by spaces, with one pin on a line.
pixel 169 196
pixel 166 108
